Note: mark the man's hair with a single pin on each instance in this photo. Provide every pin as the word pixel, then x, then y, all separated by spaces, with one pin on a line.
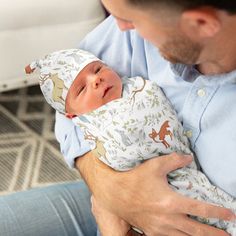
pixel 227 5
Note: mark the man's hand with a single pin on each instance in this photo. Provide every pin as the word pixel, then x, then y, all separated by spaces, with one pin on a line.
pixel 143 197
pixel 108 223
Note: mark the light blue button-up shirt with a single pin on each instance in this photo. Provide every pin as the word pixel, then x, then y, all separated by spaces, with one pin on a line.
pixel 206 105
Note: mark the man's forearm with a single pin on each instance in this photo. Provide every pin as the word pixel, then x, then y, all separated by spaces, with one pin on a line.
pixel 107 185
pixel 93 171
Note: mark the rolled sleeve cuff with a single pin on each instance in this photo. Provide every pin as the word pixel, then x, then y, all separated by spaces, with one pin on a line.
pixel 71 139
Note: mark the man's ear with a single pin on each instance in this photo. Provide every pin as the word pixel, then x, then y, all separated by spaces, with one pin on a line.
pixel 201 22
pixel 70 116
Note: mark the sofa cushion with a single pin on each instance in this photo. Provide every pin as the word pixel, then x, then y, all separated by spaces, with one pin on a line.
pixel 31 29
pixel 27 13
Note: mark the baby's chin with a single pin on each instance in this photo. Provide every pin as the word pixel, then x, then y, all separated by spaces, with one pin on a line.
pixel 112 99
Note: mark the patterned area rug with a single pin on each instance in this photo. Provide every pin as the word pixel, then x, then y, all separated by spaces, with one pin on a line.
pixel 29 152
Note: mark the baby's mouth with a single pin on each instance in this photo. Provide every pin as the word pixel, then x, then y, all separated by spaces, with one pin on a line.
pixel 106 90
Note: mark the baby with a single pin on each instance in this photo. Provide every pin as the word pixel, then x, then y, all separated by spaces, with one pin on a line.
pixel 125 120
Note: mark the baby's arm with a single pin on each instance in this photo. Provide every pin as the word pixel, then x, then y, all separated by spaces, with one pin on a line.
pixel 108 223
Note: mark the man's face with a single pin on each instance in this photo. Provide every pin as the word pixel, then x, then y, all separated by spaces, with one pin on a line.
pixel 93 87
pixel 160 27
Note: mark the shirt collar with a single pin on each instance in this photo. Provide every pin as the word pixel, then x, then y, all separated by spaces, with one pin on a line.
pixel 190 73
pixel 186 72
pixel 177 69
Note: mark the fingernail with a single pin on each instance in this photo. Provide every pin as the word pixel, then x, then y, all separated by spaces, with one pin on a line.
pixel 189 157
pixel 231 217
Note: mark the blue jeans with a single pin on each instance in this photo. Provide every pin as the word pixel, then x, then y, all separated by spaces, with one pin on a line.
pixel 58 210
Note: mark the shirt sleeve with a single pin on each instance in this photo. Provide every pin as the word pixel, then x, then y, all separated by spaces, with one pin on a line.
pixel 71 139
pixel 113 47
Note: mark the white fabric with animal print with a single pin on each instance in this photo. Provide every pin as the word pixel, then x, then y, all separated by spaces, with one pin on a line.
pixel 58 70
pixel 136 127
pixel 142 124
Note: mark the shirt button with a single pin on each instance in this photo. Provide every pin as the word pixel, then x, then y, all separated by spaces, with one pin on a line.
pixel 189 133
pixel 201 93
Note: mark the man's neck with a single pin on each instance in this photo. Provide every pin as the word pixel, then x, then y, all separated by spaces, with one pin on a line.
pixel 218 60
pixel 215 68
pixel 219 55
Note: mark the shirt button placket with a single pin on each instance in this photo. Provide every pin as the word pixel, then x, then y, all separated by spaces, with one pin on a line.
pixel 201 92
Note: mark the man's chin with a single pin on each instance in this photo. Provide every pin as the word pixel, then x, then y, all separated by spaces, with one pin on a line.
pixel 171 59
pixel 175 60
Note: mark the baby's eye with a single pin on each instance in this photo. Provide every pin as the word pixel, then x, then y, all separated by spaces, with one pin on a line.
pixel 98 69
pixel 81 89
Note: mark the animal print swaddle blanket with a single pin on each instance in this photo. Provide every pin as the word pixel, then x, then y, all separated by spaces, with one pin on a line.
pixel 141 125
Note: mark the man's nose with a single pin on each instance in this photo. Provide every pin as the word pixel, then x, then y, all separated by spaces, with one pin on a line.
pixel 124 25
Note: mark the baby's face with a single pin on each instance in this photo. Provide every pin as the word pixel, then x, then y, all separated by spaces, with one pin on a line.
pixel 94 86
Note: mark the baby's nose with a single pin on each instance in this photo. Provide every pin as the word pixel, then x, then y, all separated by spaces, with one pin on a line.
pixel 96 81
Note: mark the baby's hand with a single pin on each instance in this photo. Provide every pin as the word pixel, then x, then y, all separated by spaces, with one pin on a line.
pixel 108 223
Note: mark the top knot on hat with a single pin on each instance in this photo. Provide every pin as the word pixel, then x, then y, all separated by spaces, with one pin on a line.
pixel 58 70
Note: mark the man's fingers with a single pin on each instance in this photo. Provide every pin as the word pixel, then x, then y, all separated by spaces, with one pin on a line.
pixel 176 233
pixel 132 232
pixel 172 162
pixel 195 228
pixel 203 209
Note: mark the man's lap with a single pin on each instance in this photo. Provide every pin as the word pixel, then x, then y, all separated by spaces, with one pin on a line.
pixel 60 210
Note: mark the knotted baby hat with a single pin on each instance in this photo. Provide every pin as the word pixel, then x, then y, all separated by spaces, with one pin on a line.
pixel 58 70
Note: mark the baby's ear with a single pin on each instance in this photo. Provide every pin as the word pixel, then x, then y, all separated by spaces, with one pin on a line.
pixel 70 116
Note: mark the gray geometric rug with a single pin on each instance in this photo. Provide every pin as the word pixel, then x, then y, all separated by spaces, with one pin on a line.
pixel 29 153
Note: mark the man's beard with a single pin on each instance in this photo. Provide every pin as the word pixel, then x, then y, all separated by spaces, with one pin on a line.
pixel 180 49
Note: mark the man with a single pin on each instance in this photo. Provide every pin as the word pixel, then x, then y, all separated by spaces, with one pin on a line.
pixel 190 33
pixel 202 90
